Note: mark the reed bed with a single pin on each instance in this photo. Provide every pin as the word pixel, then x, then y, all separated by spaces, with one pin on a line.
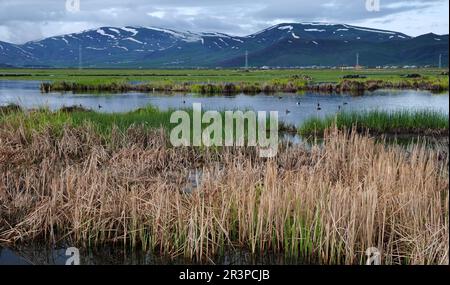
pixel 148 117
pixel 421 122
pixel 287 84
pixel 323 205
pixel 293 84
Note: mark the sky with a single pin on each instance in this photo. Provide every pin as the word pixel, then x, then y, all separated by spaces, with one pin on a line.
pixel 26 20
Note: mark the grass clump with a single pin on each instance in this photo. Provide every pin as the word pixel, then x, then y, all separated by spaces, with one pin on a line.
pixel 38 120
pixel 103 123
pixel 380 122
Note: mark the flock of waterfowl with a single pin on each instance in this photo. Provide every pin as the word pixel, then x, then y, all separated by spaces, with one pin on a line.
pixel 318 108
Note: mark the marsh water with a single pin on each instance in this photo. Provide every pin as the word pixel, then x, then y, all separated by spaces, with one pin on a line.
pixel 44 255
pixel 292 108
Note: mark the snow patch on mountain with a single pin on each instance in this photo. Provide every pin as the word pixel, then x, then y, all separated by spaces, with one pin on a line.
pixel 187 37
pixel 317 24
pixel 103 33
pixel 315 30
pixel 121 47
pixel 73 37
pixel 130 30
pixel 114 30
pixel 133 40
pixel 220 39
pixel 290 28
pixel 94 48
pixel 370 30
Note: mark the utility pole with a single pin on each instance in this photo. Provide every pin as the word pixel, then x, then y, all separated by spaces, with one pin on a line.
pixel 80 61
pixel 440 61
pixel 246 60
pixel 357 59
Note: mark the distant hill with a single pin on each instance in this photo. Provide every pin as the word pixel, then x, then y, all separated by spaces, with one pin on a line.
pixel 283 45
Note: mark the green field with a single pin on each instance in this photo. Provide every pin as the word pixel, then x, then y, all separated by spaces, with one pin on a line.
pixel 204 75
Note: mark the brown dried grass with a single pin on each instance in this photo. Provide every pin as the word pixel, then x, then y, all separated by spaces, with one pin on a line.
pixel 323 204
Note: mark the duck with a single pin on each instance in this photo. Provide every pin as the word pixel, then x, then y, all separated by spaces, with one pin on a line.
pixel 298 103
pixel 345 103
pixel 287 111
pixel 100 106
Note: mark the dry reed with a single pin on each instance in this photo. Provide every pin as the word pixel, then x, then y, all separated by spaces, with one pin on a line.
pixel 324 204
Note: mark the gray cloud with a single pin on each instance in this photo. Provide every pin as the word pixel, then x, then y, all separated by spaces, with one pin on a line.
pixel 25 20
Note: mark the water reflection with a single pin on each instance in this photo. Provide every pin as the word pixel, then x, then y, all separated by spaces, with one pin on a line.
pixel 43 255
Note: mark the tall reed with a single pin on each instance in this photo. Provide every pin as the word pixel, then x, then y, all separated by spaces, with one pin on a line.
pixel 324 204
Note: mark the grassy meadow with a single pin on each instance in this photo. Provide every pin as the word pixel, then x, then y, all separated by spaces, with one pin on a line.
pixel 205 75
pixel 229 80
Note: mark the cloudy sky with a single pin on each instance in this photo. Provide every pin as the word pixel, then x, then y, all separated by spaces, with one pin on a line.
pixel 25 20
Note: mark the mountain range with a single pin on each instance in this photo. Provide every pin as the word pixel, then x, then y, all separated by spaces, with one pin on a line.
pixel 283 45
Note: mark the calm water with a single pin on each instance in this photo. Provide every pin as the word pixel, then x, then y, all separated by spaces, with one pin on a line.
pixel 27 94
pixel 42 255
pixel 301 107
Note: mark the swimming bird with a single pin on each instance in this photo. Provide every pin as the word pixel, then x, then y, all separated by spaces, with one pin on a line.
pixel 339 107
pixel 318 107
pixel 345 103
pixel 184 102
pixel 287 111
pixel 279 97
pixel 100 106
pixel 298 103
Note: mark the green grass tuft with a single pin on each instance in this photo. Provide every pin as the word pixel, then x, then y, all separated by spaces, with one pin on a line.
pixel 408 122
